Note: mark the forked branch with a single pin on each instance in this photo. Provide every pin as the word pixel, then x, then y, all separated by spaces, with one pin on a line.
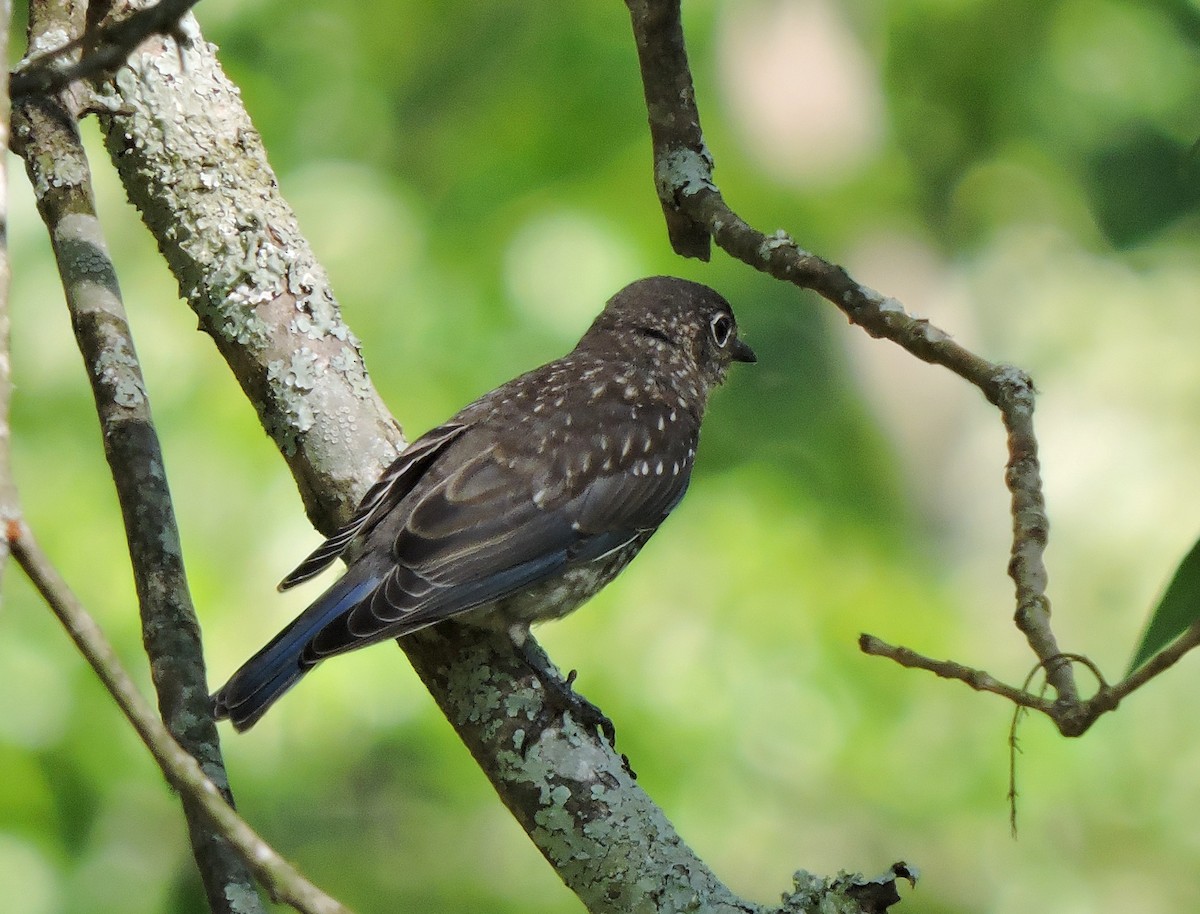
pixel 697 211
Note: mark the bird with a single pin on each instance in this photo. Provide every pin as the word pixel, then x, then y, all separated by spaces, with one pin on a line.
pixel 526 502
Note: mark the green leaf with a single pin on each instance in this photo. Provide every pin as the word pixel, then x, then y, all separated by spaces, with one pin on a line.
pixel 1178 609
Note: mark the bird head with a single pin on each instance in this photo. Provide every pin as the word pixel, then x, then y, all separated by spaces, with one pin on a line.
pixel 686 328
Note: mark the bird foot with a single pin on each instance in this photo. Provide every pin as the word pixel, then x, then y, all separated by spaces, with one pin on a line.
pixel 562 698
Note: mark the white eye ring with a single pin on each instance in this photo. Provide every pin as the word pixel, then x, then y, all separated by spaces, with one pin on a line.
pixel 721 327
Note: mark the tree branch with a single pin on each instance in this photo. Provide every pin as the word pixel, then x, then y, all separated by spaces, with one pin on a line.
pixel 682 164
pixel 107 46
pixel 690 192
pixel 194 165
pixel 178 766
pixel 948 669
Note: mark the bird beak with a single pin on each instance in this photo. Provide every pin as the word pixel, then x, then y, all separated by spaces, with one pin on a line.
pixel 742 353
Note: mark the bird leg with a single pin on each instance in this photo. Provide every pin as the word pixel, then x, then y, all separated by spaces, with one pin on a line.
pixel 561 696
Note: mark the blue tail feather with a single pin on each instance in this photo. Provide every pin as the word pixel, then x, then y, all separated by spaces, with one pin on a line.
pixel 263 678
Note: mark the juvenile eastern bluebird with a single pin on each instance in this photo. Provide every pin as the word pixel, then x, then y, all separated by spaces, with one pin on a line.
pixel 528 501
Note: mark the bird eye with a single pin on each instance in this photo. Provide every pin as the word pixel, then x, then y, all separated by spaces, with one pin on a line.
pixel 722 329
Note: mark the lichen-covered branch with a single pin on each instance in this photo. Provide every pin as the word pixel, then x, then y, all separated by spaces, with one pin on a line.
pixel 171 635
pixel 195 167
pixel 681 160
pixel 577 800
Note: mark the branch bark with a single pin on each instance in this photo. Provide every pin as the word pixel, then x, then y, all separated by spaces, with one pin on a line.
pixel 194 165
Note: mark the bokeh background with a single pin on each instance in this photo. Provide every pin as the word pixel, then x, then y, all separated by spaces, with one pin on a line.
pixel 476 179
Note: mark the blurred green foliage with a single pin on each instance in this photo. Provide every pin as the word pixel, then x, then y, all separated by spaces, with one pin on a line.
pixel 476 179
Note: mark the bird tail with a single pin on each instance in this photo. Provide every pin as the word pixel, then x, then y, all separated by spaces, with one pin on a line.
pixel 263 679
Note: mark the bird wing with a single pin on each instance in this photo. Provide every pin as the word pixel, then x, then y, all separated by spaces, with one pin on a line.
pixel 396 482
pixel 262 679
pixel 491 528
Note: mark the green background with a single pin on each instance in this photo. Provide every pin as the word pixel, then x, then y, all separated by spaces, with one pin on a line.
pixel 476 179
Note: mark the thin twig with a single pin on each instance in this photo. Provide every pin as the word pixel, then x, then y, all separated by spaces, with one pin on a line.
pixel 948 669
pixel 1014 750
pixel 179 768
pixel 684 174
pixel 1160 662
pixel 108 47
